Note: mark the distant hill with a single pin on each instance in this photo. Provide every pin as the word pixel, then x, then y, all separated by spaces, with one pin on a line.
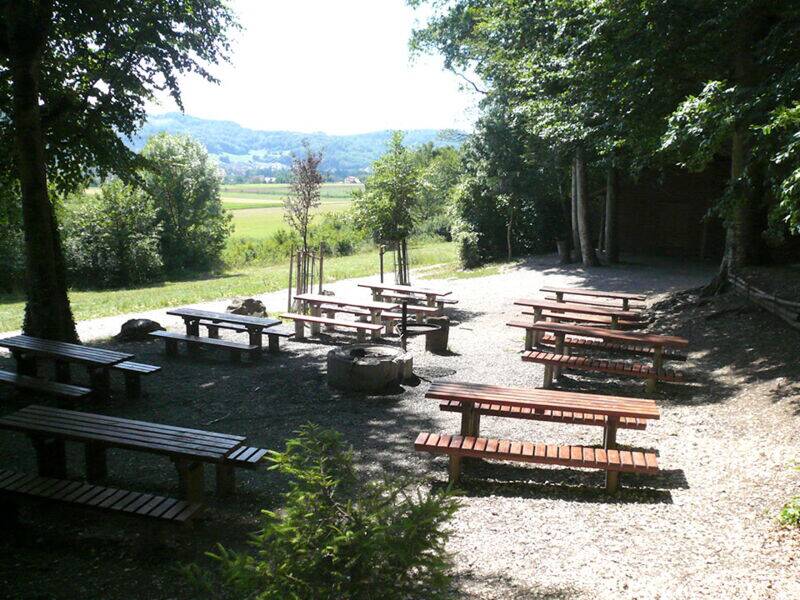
pixel 244 153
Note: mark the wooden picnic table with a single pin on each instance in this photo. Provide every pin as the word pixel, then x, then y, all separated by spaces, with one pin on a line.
pixel 430 294
pixel 624 296
pixel 657 342
pixel 98 361
pixel 49 429
pixel 255 326
pixel 614 314
pixel 613 408
pixel 375 308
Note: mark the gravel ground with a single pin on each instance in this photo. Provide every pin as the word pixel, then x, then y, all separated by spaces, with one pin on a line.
pixel 704 528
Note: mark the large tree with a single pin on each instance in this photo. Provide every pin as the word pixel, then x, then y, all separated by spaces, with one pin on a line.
pixel 75 76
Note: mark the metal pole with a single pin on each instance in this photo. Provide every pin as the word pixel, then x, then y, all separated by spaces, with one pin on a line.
pixel 403 324
pixel 291 268
pixel 381 250
pixel 321 258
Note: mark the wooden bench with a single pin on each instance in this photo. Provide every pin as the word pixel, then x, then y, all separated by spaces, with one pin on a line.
pixel 612 367
pixel 591 320
pixel 189 449
pixel 360 327
pixel 235 348
pixel 585 343
pixel 625 297
pixel 133 373
pixel 65 391
pixel 274 334
pixel 472 397
pixel 86 495
pixel 633 308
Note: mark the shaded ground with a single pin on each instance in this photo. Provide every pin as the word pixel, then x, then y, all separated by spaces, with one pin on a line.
pixel 705 527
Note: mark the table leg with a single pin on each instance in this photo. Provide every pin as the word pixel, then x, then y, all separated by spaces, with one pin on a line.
pixel 610 443
pixel 557 371
pixel 192 327
pixel 63 374
pixel 331 314
pixel 559 296
pixel 213 331
pixel 299 330
pixel 658 363
pixel 26 364
pixel 273 341
pixel 190 480
pixel 256 339
pixel 315 312
pixel 96 465
pixel 614 322
pixel 625 304
pixel 376 318
pixel 431 301
pixel 100 379
pixel 537 316
pixel 51 457
pixel 529 339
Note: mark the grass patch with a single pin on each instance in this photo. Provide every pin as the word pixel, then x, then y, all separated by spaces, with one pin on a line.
pixel 241 282
pixel 261 223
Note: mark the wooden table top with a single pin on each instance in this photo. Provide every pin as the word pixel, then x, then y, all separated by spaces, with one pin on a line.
pixel 541 399
pixel 65 351
pixel 406 289
pixel 612 335
pixel 594 293
pixel 177 442
pixel 581 309
pixel 356 302
pixel 218 317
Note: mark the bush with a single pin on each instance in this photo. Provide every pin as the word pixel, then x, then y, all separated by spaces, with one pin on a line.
pixel 184 183
pixel 111 238
pixel 338 539
pixel 790 513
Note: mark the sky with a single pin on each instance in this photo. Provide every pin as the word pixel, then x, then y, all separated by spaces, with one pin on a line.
pixel 337 66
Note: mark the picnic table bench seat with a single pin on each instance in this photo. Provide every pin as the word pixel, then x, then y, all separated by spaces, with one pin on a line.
pixel 274 334
pixel 66 391
pixel 360 326
pixel 17 486
pixel 612 367
pixel 586 343
pixel 633 308
pixel 133 373
pixel 587 457
pixel 236 349
pixel 593 320
pixel 488 409
pixel 246 457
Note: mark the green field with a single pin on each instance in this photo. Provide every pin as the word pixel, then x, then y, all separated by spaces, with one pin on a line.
pixel 240 282
pixel 258 207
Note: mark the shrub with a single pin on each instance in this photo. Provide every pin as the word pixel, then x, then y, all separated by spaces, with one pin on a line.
pixel 790 513
pixel 111 238
pixel 184 183
pixel 335 538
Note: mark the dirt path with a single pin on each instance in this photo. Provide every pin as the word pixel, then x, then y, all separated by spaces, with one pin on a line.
pixel 704 528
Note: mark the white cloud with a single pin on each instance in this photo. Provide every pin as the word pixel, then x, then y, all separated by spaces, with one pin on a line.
pixel 338 66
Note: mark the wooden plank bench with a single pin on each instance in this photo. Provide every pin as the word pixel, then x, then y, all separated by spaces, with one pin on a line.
pixel 471 397
pixel 625 297
pixel 274 334
pixel 189 449
pixel 133 373
pixel 235 348
pixel 632 307
pixel 612 367
pixel 360 327
pixel 65 391
pixel 86 495
pixel 586 343
pixel 590 320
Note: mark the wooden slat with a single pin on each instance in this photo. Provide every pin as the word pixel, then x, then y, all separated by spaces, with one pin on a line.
pixel 203 341
pixel 637 461
pixel 594 293
pixel 603 366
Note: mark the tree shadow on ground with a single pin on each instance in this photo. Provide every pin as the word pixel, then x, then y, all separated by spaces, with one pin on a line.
pixel 504 586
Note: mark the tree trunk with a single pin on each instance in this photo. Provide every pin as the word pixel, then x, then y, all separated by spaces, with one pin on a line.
pixel 611 241
pixel 509 226
pixel 585 234
pixel 576 238
pixel 47 313
pixel 742 248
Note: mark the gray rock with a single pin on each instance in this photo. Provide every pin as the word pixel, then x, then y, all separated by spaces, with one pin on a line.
pixel 247 306
pixel 137 330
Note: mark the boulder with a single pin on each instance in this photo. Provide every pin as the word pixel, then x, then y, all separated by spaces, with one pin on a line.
pixel 138 330
pixel 247 306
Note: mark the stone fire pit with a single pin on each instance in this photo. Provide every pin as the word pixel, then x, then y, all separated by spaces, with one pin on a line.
pixel 369 368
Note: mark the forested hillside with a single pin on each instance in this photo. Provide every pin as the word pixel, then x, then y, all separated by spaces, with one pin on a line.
pixel 246 152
